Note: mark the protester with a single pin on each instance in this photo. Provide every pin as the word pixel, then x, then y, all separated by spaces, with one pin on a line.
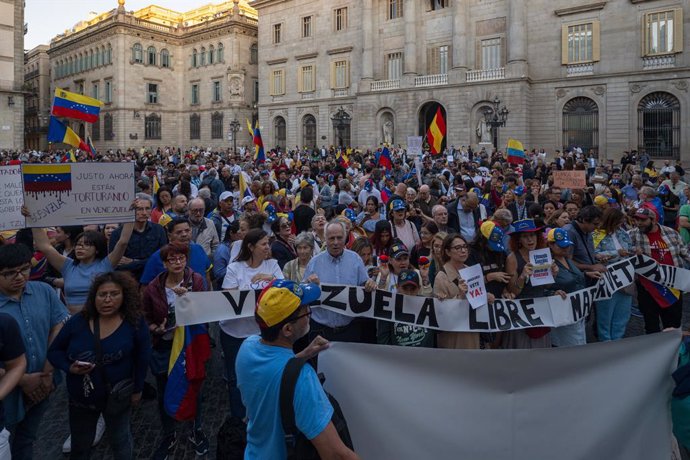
pixel 204 231
pixel 423 247
pixel 283 246
pixel 401 227
pixel 163 203
pixel 304 247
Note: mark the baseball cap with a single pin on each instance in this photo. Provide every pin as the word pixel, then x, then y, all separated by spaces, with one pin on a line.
pixel 601 200
pixel 399 249
pixel 494 235
pixel 398 205
pixel 281 298
pixel 645 213
pixel 408 277
pixel 247 199
pixel 519 190
pixel 560 237
pixel 350 214
pixel 224 196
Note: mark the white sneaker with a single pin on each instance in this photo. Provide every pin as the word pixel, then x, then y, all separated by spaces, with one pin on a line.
pixel 100 429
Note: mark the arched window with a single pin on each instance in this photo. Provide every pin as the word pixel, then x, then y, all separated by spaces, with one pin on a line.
pixel 658 125
pixel 108 133
pixel 194 58
pixel 581 124
pixel 211 54
pixel 202 56
pixel 151 56
pixel 309 131
pixel 165 58
pixel 221 53
pixel 137 53
pixel 254 54
pixel 104 58
pixel 152 126
pixel 194 126
pixel 279 131
pixel 217 125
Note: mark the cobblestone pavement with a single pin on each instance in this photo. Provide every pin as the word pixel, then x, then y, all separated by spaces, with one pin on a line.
pixel 146 426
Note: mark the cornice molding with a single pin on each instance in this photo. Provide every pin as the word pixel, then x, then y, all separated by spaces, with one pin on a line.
pixel 584 8
pixel 276 61
pixel 345 49
pixel 302 57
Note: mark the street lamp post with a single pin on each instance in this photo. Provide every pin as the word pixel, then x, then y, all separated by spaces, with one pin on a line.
pixel 234 128
pixel 340 119
pixel 496 117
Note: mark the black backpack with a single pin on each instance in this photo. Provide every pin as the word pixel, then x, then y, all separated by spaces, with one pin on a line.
pixel 298 446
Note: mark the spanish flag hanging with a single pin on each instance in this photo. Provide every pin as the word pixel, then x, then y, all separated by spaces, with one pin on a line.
pixel 436 133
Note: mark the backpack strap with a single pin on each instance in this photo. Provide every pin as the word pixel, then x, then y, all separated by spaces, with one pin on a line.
pixel 288 382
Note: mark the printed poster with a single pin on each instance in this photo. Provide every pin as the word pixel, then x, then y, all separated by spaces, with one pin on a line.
pixel 541 260
pixel 476 290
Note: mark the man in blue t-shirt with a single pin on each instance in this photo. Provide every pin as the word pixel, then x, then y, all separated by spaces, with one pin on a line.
pixel 282 313
pixel 180 233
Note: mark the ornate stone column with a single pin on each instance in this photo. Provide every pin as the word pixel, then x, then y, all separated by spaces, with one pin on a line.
pixel 460 45
pixel 517 38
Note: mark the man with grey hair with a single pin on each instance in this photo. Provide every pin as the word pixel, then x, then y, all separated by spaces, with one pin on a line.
pixel 215 184
pixel 425 201
pixel 203 230
pixel 337 265
pixel 440 215
pixel 147 238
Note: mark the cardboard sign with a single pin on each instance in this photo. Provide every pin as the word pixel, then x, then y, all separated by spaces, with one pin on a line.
pixel 541 260
pixel 570 179
pixel 476 291
pixel 414 146
pixel 11 198
pixel 78 193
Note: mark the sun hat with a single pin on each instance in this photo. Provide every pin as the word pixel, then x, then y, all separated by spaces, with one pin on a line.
pixel 525 226
pixel 281 298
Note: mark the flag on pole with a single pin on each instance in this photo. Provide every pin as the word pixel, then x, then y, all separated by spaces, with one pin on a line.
pixel 436 133
pixel 73 105
pixel 244 188
pixel 516 152
pixel 62 134
pixel 92 149
pixel 259 153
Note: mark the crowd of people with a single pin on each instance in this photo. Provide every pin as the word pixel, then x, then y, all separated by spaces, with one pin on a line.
pixel 94 305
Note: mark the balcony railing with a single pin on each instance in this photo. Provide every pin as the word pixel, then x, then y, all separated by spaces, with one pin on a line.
pixel 579 70
pixel 486 74
pixel 431 80
pixel 659 62
pixel 384 85
pixel 342 92
pixel 310 95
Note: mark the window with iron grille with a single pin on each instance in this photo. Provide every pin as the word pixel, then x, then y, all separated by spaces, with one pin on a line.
pixel 217 125
pixel 152 126
pixel 581 124
pixel 658 125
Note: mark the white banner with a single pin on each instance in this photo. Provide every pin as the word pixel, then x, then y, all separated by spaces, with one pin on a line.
pixel 78 193
pixel 11 198
pixel 603 401
pixel 444 315
pixel 414 146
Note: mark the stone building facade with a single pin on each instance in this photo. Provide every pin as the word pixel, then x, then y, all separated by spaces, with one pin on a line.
pixel 608 76
pixel 12 31
pixel 166 78
pixel 37 98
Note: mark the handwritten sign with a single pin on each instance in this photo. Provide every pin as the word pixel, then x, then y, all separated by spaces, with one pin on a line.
pixel 476 291
pixel 414 146
pixel 78 193
pixel 11 198
pixel 541 260
pixel 570 179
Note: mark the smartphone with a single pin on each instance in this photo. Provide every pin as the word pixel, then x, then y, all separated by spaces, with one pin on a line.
pixel 83 364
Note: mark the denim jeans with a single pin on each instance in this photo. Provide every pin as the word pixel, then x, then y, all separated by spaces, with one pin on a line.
pixel 82 425
pixel 25 432
pixel 613 315
pixel 571 335
pixel 231 346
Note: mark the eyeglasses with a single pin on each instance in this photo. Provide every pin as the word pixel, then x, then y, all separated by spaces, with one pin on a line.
pixel 308 313
pixel 460 247
pixel 176 260
pixel 112 295
pixel 11 274
pixel 195 211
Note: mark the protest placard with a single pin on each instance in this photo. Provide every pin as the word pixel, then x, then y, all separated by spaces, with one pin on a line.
pixel 11 198
pixel 476 291
pixel 414 146
pixel 569 179
pixel 541 260
pixel 78 193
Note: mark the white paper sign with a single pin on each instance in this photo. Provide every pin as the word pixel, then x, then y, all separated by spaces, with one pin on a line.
pixel 418 167
pixel 414 146
pixel 541 260
pixel 476 291
pixel 11 198
pixel 78 193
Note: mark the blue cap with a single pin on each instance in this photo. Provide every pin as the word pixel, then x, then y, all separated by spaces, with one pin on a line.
pixel 398 205
pixel 525 226
pixel 560 237
pixel 519 190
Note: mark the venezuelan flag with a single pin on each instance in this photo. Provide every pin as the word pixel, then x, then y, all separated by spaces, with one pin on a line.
pixel 244 188
pixel 73 105
pixel 62 134
pixel 259 153
pixel 191 349
pixel 516 152
pixel 436 133
pixel 47 178
pixel 156 185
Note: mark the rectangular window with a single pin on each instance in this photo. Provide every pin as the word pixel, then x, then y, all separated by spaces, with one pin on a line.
pixel 491 53
pixel 395 9
pixel 276 33
pixel 152 96
pixel 195 127
pixel 108 92
pixel 663 32
pixel 256 91
pixel 195 93
pixel 340 74
pixel 306 79
pixel 108 133
pixel 152 127
pixel 306 26
pixel 96 131
pixel 277 84
pixel 580 42
pixel 217 94
pixel 340 19
pixel 394 65
pixel 434 5
pixel 438 60
pixel 94 91
pixel 217 126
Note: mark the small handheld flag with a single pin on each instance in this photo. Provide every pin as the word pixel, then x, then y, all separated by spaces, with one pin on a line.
pixel 516 152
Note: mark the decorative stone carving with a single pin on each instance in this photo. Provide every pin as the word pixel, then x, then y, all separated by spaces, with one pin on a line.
pixel 636 88
pixel 681 85
pixel 599 90
pixel 387 128
pixel 561 93
pixel 236 85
